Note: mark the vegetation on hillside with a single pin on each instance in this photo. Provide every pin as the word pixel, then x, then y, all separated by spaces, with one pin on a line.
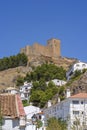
pixel 46 72
pixel 56 124
pixel 13 61
pixel 76 76
pixel 41 92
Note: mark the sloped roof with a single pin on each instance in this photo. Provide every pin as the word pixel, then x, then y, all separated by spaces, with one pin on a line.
pixel 11 88
pixel 79 95
pixel 11 105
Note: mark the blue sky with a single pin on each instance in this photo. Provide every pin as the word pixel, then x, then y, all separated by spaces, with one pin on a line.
pixel 23 22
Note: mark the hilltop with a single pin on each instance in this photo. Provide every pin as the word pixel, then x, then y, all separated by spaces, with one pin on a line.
pixel 37 55
pixel 51 53
pixel 8 77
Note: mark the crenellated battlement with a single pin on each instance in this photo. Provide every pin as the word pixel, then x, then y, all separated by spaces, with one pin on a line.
pixel 52 49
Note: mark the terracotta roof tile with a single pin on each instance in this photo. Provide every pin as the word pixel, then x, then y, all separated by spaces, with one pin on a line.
pixel 11 105
pixel 79 95
pixel 20 106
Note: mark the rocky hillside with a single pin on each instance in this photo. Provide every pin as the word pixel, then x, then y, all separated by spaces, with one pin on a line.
pixel 59 61
pixel 8 77
pixel 80 84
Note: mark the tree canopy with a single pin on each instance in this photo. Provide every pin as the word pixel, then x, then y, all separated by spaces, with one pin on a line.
pixel 56 124
pixel 47 72
pixel 13 61
pixel 41 92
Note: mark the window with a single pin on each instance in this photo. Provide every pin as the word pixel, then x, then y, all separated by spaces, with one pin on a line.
pixel 84 123
pixel 76 123
pixel 83 65
pixel 75 112
pixel 81 102
pixel 82 112
pixel 77 65
pixel 40 117
pixel 49 111
pixel 70 73
pixel 75 102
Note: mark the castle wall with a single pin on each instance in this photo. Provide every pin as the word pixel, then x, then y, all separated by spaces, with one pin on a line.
pixel 54 46
pixel 52 49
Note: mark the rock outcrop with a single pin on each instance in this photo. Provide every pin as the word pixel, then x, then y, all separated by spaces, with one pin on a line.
pixel 79 85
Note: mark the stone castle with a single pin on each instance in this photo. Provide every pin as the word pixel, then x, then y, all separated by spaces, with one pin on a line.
pixel 52 49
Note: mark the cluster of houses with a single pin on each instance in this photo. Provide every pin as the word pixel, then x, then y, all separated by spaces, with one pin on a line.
pixel 13 116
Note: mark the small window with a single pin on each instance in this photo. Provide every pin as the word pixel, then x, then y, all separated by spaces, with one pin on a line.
pixel 82 112
pixel 75 102
pixel 83 65
pixel 76 123
pixel 40 117
pixel 81 102
pixel 77 65
pixel 84 123
pixel 70 73
pixel 76 112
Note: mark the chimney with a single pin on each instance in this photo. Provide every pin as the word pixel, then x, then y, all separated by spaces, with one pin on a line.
pixel 49 103
pixel 68 93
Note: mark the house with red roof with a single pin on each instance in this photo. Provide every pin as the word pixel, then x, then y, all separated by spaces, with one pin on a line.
pixel 12 113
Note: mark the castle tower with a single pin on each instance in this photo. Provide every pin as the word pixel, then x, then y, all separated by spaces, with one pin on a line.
pixel 27 49
pixel 54 46
pixel 51 50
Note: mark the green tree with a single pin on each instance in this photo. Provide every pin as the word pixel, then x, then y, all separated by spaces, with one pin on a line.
pixel 48 72
pixel 77 73
pixel 13 61
pixel 42 84
pixel 39 124
pixel 56 124
pixel 20 81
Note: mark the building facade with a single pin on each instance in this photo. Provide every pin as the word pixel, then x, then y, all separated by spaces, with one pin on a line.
pixel 30 112
pixel 12 112
pixel 58 82
pixel 12 90
pixel 77 66
pixel 73 110
pixel 25 91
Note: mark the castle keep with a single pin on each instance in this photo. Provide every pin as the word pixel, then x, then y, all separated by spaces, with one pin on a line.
pixel 52 49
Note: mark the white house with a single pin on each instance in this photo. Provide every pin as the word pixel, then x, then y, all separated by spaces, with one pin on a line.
pixel 77 66
pixel 72 109
pixel 12 112
pixel 30 111
pixel 25 90
pixel 12 90
pixel 58 82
